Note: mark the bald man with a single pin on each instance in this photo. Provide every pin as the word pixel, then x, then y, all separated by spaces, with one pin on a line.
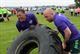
pixel 66 28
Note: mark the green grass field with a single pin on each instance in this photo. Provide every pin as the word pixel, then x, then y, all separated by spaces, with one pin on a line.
pixel 8 31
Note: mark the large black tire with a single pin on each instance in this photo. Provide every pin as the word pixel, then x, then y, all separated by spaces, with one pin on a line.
pixel 43 38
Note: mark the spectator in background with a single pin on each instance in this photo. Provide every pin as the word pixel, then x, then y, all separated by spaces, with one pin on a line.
pixel 78 10
pixel 57 10
pixel 5 14
pixel 61 10
pixel 13 11
pixel 1 15
pixel 75 12
pixel 71 11
pixel 9 14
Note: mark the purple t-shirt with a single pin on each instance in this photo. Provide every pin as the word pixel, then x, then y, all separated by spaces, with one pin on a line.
pixel 30 20
pixel 62 22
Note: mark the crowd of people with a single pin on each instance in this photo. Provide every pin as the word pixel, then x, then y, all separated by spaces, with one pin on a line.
pixel 74 11
pixel 5 14
pixel 60 10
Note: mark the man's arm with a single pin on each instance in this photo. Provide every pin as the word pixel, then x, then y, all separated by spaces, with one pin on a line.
pixel 18 27
pixel 67 33
pixel 35 21
pixel 63 27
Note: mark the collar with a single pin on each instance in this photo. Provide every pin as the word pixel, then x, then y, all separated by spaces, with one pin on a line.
pixel 54 16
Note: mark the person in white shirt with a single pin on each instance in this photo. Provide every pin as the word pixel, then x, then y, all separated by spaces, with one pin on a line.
pixel 72 11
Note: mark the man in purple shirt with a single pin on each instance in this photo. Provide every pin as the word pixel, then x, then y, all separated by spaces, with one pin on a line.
pixel 66 28
pixel 25 20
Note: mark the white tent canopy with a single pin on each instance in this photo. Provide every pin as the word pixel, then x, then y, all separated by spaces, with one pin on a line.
pixel 29 3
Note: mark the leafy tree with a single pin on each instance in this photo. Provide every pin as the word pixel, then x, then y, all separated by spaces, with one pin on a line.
pixel 77 2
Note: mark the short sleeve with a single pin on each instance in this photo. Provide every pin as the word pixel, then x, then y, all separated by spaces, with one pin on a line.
pixel 18 27
pixel 34 19
pixel 61 25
